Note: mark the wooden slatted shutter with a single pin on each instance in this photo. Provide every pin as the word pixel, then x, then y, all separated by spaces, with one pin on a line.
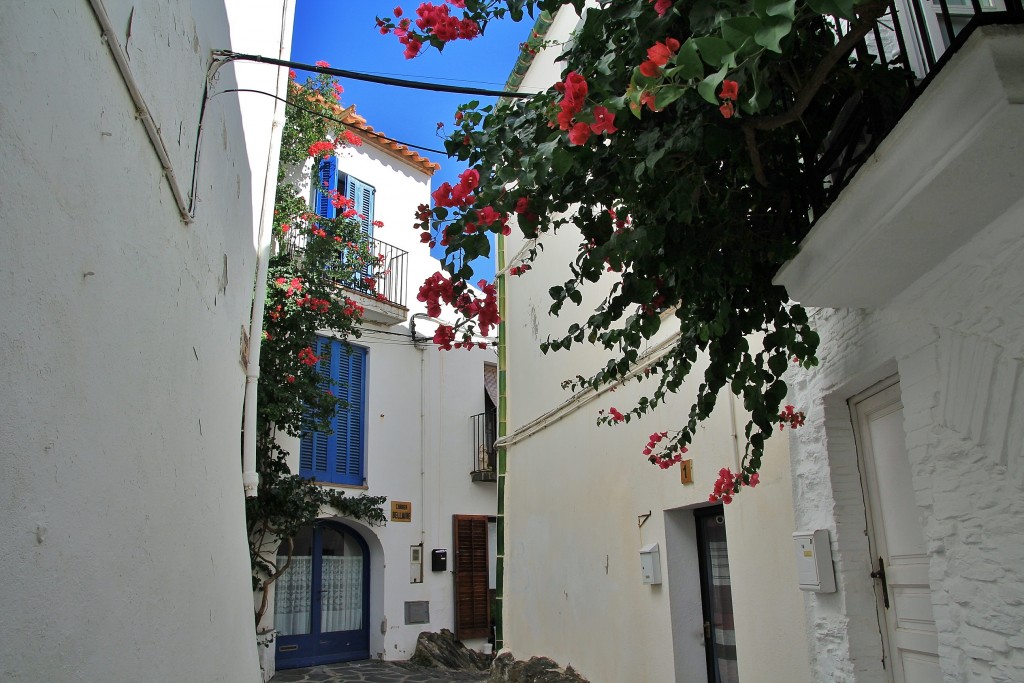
pixel 472 600
pixel 326 177
pixel 337 457
pixel 350 419
pixel 362 196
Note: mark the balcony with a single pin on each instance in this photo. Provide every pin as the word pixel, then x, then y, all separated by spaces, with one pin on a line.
pixel 899 200
pixel 382 289
pixel 485 433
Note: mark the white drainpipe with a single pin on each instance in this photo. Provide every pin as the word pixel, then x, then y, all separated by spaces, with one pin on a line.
pixel 250 478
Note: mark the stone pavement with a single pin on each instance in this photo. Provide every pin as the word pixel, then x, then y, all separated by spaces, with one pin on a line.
pixel 373 671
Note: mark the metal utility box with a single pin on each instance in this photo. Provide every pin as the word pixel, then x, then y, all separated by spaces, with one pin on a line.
pixel 650 563
pixel 814 561
pixel 438 560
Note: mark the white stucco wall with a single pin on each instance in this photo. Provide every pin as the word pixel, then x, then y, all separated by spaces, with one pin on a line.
pixel 949 327
pixel 124 540
pixel 954 340
pixel 574 492
pixel 419 445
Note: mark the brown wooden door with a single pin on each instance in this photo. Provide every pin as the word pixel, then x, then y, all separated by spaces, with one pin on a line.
pixel 472 603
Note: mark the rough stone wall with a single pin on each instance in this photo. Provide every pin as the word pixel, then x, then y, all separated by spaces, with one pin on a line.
pixel 954 339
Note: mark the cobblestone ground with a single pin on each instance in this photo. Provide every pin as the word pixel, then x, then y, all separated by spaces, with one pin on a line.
pixel 375 672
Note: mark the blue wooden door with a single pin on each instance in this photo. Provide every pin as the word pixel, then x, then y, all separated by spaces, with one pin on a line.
pixel 321 603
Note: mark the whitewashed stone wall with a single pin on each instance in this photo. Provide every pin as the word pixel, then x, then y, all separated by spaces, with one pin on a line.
pixel 955 338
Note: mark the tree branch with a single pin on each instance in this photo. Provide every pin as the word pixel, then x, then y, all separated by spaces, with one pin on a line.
pixel 869 14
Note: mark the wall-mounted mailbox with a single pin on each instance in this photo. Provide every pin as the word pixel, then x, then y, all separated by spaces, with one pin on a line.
pixel 438 560
pixel 814 561
pixel 650 563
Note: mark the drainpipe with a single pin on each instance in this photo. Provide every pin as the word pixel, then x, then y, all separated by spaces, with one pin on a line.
pixel 423 420
pixel 250 478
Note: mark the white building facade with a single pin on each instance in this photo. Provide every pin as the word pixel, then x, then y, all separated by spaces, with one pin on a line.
pixel 913 452
pixel 589 524
pixel 127 259
pixel 415 431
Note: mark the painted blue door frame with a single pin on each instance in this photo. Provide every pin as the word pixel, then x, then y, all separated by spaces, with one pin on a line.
pixel 322 645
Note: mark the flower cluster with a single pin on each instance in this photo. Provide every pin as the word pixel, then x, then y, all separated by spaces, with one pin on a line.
pixel 320 148
pixel 658 56
pixel 730 91
pixel 574 91
pixel 307 357
pixel 462 194
pixel 433 22
pixel 488 216
pixel 794 418
pixel 729 484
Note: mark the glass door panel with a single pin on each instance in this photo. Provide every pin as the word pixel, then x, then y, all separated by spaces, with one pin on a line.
pixel 293 591
pixel 716 594
pixel 341 592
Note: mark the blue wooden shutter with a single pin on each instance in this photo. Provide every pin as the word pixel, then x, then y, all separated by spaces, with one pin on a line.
pixel 350 420
pixel 337 456
pixel 362 196
pixel 315 446
pixel 328 174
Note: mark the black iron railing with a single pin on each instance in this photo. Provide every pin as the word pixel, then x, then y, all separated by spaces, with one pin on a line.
pixel 385 280
pixel 485 433
pixel 921 36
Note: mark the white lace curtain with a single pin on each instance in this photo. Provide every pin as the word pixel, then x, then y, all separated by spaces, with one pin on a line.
pixel 341 607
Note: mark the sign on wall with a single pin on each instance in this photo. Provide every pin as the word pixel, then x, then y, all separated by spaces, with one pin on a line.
pixel 401 511
pixel 686 472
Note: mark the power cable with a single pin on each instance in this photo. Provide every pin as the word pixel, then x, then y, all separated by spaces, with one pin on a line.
pixel 331 118
pixel 383 80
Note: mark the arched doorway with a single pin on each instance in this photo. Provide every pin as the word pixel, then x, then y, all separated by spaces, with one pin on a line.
pixel 321 604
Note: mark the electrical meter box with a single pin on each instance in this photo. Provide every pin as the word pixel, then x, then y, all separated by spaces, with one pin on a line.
pixel 438 560
pixel 415 564
pixel 814 561
pixel 650 563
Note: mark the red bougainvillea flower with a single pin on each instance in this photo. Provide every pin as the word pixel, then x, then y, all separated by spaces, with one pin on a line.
pixel 658 56
pixel 616 415
pixel 727 109
pixel 307 357
pixel 398 12
pixel 291 74
pixel 579 134
pixel 604 121
pixel 322 147
pixel 730 90
pixel 353 139
pixel 661 6
pixel 322 63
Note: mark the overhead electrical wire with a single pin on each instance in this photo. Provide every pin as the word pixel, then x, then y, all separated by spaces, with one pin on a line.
pixel 331 118
pixel 370 78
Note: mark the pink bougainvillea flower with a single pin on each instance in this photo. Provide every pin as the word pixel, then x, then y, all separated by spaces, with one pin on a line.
pixel 322 63
pixel 616 415
pixel 398 12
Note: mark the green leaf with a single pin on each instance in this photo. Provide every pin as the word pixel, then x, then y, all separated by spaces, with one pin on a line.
pixel 666 96
pixel 708 87
pixel 776 8
pixel 688 64
pixel 715 52
pixel 561 160
pixel 736 30
pixel 771 34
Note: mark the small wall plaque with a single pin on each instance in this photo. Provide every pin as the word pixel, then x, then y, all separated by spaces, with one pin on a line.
pixel 401 511
pixel 686 472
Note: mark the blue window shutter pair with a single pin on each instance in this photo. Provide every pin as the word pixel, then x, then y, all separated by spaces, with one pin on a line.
pixel 327 177
pixel 338 457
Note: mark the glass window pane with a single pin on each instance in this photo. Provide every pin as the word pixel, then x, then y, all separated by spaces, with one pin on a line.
pixel 341 596
pixel 293 590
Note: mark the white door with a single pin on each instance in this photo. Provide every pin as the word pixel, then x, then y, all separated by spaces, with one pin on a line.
pixel 898 555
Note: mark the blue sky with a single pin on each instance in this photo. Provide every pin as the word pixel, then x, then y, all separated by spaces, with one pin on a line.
pixel 343 33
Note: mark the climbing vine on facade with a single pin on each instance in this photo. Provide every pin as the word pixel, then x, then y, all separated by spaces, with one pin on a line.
pixel 313 258
pixel 681 145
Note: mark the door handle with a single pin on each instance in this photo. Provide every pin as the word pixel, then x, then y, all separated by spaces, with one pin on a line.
pixel 707 633
pixel 879 574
